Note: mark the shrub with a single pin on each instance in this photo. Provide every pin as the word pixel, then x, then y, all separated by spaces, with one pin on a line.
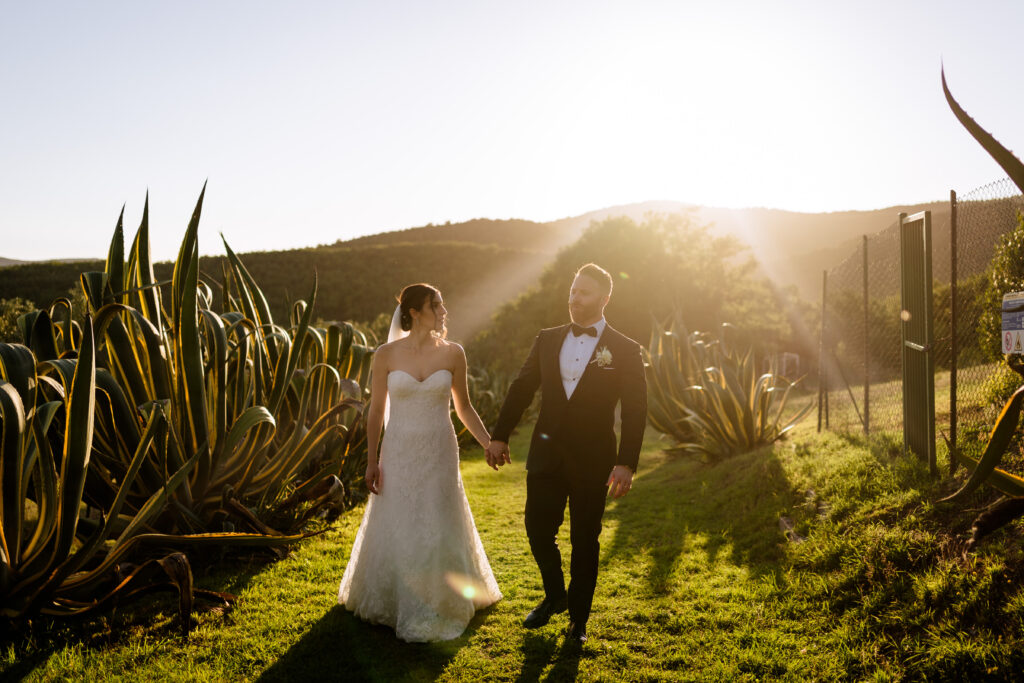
pixel 708 396
pixel 10 311
pixel 1005 273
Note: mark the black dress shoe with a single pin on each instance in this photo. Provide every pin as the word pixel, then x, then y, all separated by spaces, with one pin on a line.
pixel 577 634
pixel 541 614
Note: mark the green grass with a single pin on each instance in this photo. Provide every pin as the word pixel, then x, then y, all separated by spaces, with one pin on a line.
pixel 982 392
pixel 697 583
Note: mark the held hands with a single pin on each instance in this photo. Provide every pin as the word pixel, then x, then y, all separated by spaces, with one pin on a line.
pixel 497 455
pixel 620 481
pixel 374 478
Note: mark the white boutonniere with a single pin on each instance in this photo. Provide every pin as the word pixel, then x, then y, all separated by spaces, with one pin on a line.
pixel 603 357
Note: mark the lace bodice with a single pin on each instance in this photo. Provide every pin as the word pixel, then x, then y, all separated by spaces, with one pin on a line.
pixel 415 403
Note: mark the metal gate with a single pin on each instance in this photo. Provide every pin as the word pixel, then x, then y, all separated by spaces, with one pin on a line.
pixel 917 335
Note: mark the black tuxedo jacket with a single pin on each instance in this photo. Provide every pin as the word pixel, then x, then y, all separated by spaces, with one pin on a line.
pixel 579 432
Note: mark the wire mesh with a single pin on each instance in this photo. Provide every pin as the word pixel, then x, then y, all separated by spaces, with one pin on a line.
pixel 861 338
pixel 860 368
pixel 984 217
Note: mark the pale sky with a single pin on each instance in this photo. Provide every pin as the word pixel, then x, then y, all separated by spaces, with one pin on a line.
pixel 319 121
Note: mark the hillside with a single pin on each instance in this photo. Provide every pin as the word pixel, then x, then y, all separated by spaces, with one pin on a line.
pixel 482 263
pixel 354 282
pixel 514 234
pixel 980 225
pixel 791 247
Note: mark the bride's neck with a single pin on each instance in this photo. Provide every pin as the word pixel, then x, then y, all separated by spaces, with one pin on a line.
pixel 421 338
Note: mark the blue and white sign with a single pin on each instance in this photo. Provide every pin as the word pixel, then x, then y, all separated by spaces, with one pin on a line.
pixel 1013 322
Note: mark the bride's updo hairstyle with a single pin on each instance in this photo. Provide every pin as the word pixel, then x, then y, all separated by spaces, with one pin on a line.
pixel 412 298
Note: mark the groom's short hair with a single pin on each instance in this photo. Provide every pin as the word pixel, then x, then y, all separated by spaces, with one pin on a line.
pixel 599 275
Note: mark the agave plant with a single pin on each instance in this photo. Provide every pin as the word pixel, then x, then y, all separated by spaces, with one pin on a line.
pixel 985 470
pixel 708 396
pixel 1005 158
pixel 48 557
pixel 267 411
pixel 55 558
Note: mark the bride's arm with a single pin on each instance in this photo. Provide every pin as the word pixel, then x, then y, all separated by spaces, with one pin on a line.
pixel 375 418
pixel 463 406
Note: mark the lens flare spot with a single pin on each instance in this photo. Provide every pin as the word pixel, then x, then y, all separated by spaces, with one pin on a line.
pixel 544 436
pixel 623 276
pixel 465 586
pixel 904 315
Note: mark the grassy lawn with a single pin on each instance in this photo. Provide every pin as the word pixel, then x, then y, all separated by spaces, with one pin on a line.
pixel 697 582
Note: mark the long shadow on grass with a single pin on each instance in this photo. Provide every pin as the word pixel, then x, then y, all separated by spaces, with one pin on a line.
pixel 342 647
pixel 540 649
pixel 734 504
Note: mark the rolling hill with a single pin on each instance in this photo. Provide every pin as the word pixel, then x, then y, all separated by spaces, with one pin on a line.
pixel 792 247
pixel 482 263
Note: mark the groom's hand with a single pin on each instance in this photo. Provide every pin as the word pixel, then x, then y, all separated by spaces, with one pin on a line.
pixel 498 454
pixel 620 481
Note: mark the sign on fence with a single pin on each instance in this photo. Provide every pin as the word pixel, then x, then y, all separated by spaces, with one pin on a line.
pixel 1013 322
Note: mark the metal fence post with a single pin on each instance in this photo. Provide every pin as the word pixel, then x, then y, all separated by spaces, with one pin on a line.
pixel 867 355
pixel 953 347
pixel 822 381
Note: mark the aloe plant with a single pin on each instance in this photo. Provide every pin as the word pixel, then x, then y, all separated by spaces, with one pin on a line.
pixel 1004 157
pixel 268 412
pixel 985 469
pixel 48 557
pixel 708 396
pixel 267 400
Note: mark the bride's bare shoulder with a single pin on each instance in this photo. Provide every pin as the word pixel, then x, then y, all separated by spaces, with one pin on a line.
pixel 454 352
pixel 386 349
pixel 452 347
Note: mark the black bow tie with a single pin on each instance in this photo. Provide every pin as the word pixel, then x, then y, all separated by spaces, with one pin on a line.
pixel 577 330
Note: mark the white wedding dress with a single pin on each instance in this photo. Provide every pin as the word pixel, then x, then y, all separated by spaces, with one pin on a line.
pixel 417 563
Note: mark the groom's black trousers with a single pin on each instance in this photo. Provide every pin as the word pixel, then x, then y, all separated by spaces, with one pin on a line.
pixel 546 495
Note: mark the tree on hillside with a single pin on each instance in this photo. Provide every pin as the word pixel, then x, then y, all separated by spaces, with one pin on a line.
pixel 10 311
pixel 661 265
pixel 1005 274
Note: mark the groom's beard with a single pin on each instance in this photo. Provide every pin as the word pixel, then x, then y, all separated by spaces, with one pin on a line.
pixel 584 315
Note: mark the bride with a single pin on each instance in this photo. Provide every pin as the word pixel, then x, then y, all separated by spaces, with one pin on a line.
pixel 417 563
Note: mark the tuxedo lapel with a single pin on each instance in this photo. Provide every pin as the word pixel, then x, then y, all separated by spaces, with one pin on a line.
pixel 554 368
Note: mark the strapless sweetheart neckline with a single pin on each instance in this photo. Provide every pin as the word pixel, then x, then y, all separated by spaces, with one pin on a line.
pixel 421 381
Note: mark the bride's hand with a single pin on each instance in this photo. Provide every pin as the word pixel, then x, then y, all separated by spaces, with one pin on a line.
pixel 374 478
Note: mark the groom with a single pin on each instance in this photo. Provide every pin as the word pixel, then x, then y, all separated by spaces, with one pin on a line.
pixel 583 370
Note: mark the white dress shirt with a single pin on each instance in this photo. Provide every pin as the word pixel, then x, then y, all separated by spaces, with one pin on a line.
pixel 575 355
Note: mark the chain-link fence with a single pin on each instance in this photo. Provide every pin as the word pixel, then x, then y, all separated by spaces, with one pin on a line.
pixel 983 382
pixel 860 345
pixel 860 378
